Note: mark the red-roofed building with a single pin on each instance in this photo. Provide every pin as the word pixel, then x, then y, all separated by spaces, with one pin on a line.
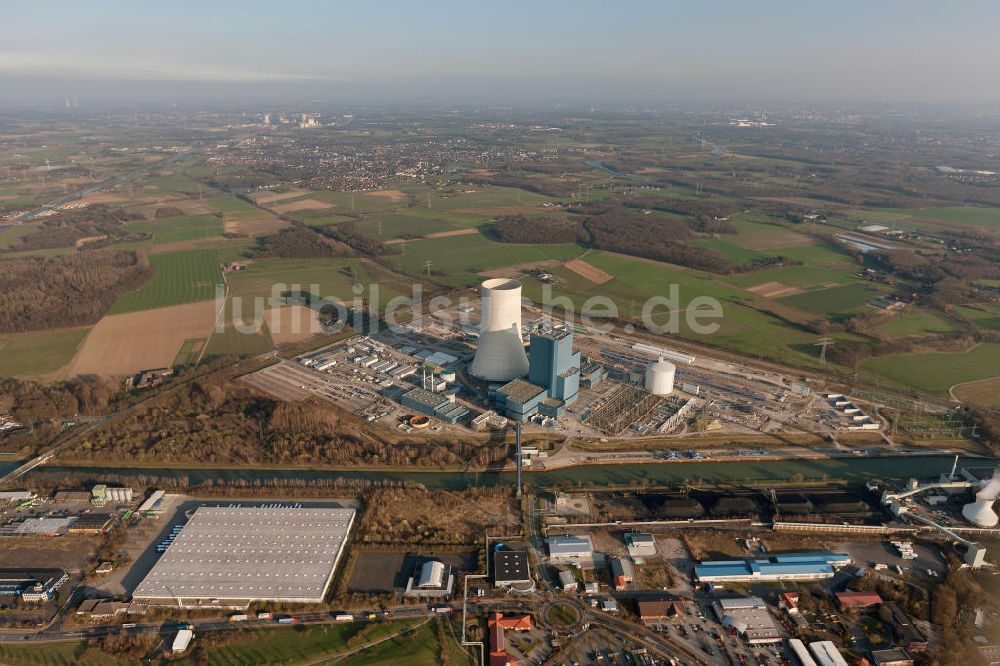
pixel 857 599
pixel 789 601
pixel 498 646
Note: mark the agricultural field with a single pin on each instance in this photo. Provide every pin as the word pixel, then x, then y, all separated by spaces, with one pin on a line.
pixel 936 372
pixel 307 644
pixel 179 229
pixel 60 654
pixel 984 393
pixel 929 218
pixel 180 277
pixel 834 303
pixel 334 278
pixel 38 352
pixel 121 344
pixel 459 260
pixel 986 315
pixel 914 323
pixel 242 218
pixel 635 280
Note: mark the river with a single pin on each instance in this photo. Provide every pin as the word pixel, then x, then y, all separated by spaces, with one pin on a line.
pixel 848 469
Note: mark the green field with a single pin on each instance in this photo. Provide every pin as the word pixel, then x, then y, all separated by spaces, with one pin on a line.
pixel 38 352
pixel 741 327
pixel 936 372
pixel 984 315
pixel 306 644
pixel 735 253
pixel 456 260
pixel 334 277
pixel 11 235
pixel 233 208
pixel 180 277
pixel 386 226
pixel 835 303
pixel 180 228
pixel 804 277
pixel 176 182
pixel 914 323
pixel 59 654
pixel 961 215
pixel 189 351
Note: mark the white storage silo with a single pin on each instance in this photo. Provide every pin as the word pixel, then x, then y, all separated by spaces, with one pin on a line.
pixel 660 377
pixel 500 355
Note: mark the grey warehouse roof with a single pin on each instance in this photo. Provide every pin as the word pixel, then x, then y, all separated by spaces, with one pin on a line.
pixel 256 553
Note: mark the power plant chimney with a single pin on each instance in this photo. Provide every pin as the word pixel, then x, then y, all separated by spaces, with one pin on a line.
pixel 500 355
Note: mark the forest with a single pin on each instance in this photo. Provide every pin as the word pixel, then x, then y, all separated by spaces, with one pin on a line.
pixel 348 234
pixel 617 228
pixel 70 290
pixel 70 226
pixel 300 242
pixel 226 423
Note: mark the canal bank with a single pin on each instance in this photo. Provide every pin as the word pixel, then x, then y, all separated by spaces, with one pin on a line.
pixel 651 474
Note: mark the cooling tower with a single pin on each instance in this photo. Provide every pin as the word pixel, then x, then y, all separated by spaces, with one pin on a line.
pixel 981 511
pixel 660 377
pixel 500 353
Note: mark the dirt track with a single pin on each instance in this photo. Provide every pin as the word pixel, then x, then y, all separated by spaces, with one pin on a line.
pixel 589 272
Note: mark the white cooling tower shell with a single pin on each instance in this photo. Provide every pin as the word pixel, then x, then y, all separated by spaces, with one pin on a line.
pixel 981 511
pixel 660 377
pixel 500 355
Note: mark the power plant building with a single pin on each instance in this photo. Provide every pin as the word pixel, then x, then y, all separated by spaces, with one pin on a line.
pixel 519 399
pixel 554 365
pixel 500 355
pixel 553 379
pixel 438 405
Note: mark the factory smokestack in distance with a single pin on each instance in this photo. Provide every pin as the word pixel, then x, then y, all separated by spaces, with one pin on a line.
pixel 500 355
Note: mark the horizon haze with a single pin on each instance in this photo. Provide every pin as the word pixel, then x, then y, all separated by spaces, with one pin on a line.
pixel 444 51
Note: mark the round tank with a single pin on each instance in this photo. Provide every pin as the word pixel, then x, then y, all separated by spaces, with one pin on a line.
pixel 500 355
pixel 660 377
pixel 981 511
pixel 448 375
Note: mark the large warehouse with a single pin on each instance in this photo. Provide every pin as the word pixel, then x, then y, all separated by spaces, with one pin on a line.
pixel 790 566
pixel 231 556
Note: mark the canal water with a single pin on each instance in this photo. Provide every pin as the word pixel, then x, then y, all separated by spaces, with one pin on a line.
pixel 827 469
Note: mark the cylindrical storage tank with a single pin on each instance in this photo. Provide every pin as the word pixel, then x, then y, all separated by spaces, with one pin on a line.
pixel 660 377
pixel 448 375
pixel 500 355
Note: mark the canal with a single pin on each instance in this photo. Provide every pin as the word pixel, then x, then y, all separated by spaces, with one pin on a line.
pixel 667 474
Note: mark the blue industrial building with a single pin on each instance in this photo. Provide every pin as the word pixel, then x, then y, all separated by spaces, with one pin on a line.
pixel 793 566
pixel 554 365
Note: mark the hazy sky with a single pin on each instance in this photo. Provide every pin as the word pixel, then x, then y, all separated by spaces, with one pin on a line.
pixel 795 50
